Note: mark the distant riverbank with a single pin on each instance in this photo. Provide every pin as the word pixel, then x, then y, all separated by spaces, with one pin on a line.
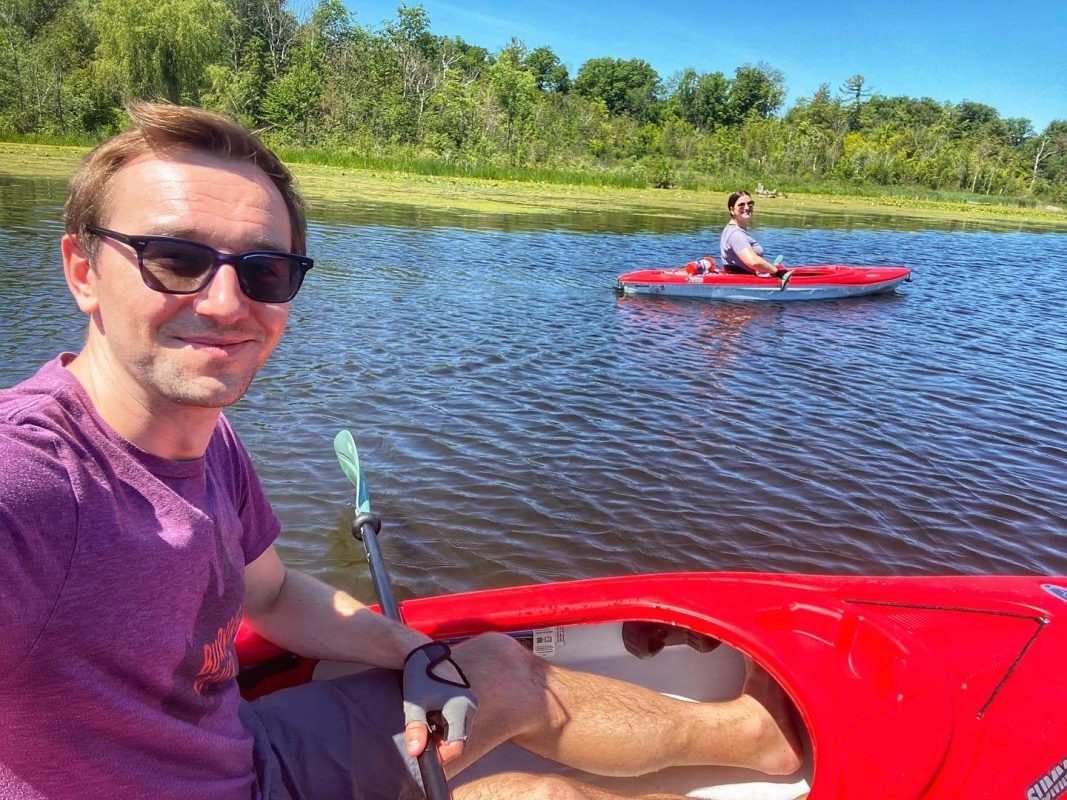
pixel 328 185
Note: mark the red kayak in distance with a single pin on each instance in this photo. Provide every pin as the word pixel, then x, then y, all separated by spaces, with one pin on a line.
pixel 931 687
pixel 816 282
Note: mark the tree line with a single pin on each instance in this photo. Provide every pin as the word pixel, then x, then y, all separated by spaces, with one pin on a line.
pixel 398 91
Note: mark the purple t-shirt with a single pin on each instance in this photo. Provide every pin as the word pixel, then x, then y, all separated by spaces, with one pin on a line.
pixel 121 589
pixel 734 240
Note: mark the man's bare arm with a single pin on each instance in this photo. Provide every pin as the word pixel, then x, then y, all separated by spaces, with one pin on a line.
pixel 308 617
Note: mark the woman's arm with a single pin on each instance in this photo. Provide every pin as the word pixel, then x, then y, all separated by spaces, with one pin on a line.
pixel 753 260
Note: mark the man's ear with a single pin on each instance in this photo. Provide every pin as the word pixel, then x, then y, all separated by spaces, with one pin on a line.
pixel 81 276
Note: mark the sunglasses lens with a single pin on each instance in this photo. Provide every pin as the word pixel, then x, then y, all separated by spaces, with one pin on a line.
pixel 177 266
pixel 180 267
pixel 270 279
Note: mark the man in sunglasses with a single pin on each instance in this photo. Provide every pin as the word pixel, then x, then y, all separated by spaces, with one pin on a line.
pixel 135 537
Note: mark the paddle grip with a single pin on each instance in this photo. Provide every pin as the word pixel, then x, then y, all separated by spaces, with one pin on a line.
pixel 366 527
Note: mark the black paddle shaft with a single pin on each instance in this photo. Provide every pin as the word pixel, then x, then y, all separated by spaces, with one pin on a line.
pixel 366 527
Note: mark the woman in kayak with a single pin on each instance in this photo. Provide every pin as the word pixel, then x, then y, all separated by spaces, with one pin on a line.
pixel 740 252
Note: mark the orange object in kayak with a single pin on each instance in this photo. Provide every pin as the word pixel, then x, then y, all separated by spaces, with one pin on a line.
pixel 927 687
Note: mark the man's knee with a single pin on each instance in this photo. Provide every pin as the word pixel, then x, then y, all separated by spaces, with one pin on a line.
pixel 500 655
pixel 510 682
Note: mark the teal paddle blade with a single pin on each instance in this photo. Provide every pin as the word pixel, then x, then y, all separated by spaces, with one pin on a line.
pixel 344 447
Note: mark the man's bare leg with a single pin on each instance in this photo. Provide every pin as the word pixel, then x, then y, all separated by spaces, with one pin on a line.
pixel 608 727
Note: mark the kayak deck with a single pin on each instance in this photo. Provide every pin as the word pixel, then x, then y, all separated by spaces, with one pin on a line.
pixel 817 282
pixel 907 687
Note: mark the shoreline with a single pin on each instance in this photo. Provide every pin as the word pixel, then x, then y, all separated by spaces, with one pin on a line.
pixel 329 185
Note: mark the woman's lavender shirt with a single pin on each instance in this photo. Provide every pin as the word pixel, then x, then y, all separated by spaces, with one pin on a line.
pixel 734 240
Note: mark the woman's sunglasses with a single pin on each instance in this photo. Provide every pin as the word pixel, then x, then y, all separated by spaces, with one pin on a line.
pixel 178 266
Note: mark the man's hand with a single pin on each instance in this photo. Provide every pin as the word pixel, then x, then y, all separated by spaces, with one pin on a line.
pixel 435 687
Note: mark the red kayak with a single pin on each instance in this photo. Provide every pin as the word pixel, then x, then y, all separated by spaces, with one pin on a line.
pixel 908 687
pixel 821 282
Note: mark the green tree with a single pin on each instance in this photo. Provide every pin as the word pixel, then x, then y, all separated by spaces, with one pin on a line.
pixel 855 89
pixel 514 89
pixel 1049 155
pixel 44 47
pixel 702 100
pixel 421 57
pixel 292 99
pixel 241 92
pixel 815 131
pixel 1018 130
pixel 330 26
pixel 972 117
pixel 548 71
pixel 455 127
pixel 270 22
pixel 66 45
pixel 159 48
pixel 469 59
pixel 756 89
pixel 626 87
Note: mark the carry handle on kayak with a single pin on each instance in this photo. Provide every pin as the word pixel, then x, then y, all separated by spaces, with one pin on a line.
pixel 365 527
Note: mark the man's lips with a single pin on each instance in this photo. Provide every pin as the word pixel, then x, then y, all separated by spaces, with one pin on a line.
pixel 225 344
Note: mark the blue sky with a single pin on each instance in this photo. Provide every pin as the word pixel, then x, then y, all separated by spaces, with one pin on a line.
pixel 1012 56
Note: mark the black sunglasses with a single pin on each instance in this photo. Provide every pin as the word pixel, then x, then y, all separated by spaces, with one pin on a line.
pixel 751 204
pixel 178 266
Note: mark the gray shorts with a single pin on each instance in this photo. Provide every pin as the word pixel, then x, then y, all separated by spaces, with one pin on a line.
pixel 333 740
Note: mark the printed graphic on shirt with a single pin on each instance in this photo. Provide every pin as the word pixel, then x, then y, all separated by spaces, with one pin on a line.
pixel 210 661
pixel 220 658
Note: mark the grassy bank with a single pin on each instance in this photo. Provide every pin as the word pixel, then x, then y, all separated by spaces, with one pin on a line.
pixel 471 194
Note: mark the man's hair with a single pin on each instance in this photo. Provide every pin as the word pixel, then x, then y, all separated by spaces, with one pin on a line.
pixel 732 201
pixel 165 129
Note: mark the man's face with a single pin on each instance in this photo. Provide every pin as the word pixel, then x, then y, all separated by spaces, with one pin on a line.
pixel 201 349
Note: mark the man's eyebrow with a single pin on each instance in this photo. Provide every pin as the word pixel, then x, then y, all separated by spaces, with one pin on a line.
pixel 191 235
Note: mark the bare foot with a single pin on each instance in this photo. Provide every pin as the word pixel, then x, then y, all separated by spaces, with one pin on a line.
pixel 775 731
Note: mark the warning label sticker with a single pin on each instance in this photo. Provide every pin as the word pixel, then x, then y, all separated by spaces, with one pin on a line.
pixel 546 640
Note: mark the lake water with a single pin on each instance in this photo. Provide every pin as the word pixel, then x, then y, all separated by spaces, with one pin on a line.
pixel 519 422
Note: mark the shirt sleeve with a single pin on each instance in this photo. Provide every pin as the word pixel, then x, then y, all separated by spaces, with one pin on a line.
pixel 260 525
pixel 38 529
pixel 734 241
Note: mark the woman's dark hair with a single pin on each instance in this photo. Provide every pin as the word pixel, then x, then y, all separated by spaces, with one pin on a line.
pixel 735 197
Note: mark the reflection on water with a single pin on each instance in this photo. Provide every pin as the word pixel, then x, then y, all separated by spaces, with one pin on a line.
pixel 519 422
